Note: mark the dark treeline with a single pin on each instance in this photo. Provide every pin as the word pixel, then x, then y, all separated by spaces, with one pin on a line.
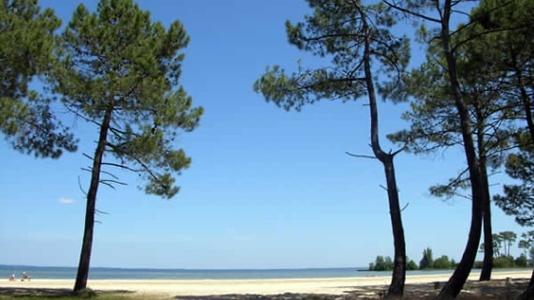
pixel 120 71
pixel 503 242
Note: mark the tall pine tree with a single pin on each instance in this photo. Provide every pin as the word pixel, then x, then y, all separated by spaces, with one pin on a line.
pixel 360 44
pixel 120 71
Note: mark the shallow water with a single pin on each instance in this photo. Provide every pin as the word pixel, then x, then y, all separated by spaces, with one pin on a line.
pixel 126 273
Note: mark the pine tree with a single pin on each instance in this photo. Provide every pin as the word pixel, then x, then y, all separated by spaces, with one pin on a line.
pixel 27 41
pixel 360 44
pixel 120 71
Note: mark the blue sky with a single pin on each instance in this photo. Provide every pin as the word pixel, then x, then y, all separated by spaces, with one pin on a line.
pixel 266 189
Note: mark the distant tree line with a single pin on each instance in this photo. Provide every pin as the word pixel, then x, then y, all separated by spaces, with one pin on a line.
pixel 427 262
pixel 503 242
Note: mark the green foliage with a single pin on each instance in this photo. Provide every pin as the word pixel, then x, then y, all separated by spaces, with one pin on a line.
pixel 427 261
pixel 27 41
pixel 511 54
pixel 381 264
pixel 411 265
pixel 334 31
pixel 442 263
pixel 503 262
pixel 521 261
pixel 117 61
pixel 518 199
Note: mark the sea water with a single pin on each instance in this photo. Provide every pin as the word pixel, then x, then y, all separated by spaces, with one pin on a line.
pixel 142 273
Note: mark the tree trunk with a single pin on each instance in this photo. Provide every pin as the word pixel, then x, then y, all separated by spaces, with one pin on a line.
pixel 456 282
pixel 528 294
pixel 487 264
pixel 527 106
pixel 396 287
pixel 87 243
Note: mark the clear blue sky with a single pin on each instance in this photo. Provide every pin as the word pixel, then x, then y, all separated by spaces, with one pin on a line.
pixel 267 188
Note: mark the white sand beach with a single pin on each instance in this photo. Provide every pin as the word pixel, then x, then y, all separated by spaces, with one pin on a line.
pixel 245 286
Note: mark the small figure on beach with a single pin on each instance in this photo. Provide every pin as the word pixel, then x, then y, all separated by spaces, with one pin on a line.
pixel 25 276
pixel 12 277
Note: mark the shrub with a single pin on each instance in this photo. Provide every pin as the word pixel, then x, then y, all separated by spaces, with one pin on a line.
pixel 521 261
pixel 411 265
pixel 381 264
pixel 442 263
pixel 503 262
pixel 427 261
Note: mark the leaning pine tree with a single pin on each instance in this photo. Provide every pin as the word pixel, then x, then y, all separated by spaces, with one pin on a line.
pixel 359 42
pixel 120 71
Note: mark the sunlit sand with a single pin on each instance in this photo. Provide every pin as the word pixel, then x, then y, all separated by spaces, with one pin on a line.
pixel 246 286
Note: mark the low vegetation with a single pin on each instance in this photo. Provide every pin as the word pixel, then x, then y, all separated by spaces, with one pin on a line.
pixel 502 244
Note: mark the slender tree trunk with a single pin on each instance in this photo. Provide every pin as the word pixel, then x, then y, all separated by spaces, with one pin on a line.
pixel 527 106
pixel 456 282
pixel 396 287
pixel 487 264
pixel 87 243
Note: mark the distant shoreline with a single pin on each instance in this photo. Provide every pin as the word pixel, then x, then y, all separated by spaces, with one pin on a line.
pixel 67 273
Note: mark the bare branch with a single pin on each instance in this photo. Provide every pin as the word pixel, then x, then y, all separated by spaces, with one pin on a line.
pixel 360 155
pixel 413 13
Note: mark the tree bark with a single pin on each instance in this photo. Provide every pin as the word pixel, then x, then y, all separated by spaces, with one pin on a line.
pixel 527 106
pixel 87 242
pixel 528 294
pixel 456 282
pixel 396 287
pixel 487 264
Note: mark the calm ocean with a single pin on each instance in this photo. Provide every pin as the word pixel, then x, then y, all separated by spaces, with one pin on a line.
pixel 122 273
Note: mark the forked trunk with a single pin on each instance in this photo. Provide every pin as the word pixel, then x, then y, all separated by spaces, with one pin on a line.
pixel 87 242
pixel 456 282
pixel 396 287
pixel 487 264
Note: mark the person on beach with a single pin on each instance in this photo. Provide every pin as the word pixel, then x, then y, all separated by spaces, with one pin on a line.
pixel 25 277
pixel 12 277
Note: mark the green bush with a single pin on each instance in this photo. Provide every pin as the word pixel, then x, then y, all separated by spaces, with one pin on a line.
pixel 411 265
pixel 521 261
pixel 427 261
pixel 442 263
pixel 503 262
pixel 381 264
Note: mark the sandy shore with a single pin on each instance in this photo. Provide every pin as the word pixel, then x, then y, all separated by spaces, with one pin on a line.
pixel 244 286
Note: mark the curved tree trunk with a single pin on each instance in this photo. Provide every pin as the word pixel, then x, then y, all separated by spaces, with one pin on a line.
pixel 396 287
pixel 487 264
pixel 528 294
pixel 459 277
pixel 87 242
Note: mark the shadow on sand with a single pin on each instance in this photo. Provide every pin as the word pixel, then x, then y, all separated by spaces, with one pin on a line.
pixel 494 290
pixel 48 293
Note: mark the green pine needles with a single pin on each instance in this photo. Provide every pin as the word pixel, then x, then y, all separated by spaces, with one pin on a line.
pixel 117 61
